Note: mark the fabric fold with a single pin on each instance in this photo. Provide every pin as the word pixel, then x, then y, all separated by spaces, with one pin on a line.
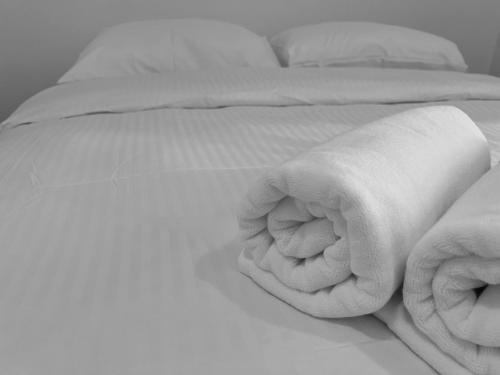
pixel 452 285
pixel 329 231
pixel 236 87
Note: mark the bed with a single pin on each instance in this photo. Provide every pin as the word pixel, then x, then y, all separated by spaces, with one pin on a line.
pixel 118 238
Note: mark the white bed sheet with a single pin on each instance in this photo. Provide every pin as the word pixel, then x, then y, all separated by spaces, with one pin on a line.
pixel 118 245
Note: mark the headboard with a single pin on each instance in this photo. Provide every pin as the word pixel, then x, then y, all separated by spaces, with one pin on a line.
pixel 40 39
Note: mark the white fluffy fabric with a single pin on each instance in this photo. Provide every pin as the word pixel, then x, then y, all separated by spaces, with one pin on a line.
pixel 452 286
pixel 330 231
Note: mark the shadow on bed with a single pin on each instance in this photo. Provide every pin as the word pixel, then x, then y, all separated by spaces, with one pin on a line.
pixel 219 269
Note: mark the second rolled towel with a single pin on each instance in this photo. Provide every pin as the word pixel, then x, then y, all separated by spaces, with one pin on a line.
pixel 330 231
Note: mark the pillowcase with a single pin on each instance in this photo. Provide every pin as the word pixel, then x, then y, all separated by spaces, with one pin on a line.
pixel 164 45
pixel 366 44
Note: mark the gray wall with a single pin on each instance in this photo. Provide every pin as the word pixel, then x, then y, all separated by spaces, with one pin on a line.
pixel 40 39
pixel 495 63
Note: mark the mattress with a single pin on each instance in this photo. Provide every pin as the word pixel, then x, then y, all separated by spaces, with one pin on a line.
pixel 118 238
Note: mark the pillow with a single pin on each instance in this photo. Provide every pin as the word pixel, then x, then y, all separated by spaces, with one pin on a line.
pixel 366 44
pixel 165 45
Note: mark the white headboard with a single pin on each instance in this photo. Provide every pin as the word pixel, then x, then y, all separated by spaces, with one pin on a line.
pixel 40 39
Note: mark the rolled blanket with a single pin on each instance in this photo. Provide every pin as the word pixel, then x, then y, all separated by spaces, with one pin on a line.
pixel 452 286
pixel 329 231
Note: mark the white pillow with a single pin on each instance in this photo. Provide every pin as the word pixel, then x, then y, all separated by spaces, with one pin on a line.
pixel 164 45
pixel 366 44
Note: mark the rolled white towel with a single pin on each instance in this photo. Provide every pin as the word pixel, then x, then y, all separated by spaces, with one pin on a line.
pixel 330 231
pixel 459 325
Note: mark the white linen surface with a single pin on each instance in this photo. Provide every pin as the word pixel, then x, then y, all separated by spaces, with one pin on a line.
pixel 459 254
pixel 117 230
pixel 330 231
pixel 255 87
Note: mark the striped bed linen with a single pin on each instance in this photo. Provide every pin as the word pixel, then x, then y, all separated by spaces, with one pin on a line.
pixel 118 238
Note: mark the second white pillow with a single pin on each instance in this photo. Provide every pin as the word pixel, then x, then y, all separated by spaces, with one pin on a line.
pixel 366 44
